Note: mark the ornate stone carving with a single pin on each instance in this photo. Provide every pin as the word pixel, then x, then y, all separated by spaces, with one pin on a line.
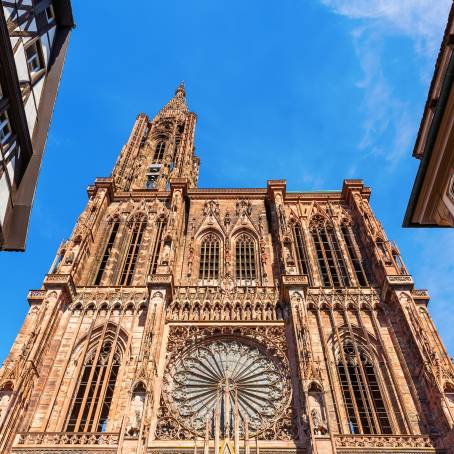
pixel 383 441
pixel 135 414
pixel 211 208
pixel 67 438
pixel 368 298
pixel 229 303
pixel 319 427
pixel 227 355
pixel 230 371
pixel 243 208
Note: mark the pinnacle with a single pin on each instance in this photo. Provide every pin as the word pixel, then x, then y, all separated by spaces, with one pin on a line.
pixel 180 91
pixel 177 105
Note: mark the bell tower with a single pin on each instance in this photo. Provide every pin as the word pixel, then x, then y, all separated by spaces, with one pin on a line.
pixel 160 149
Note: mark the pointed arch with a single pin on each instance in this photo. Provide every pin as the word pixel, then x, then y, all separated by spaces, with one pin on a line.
pixel 161 223
pixel 136 224
pixel 246 259
pixel 113 227
pixel 301 251
pixel 210 258
pixel 159 149
pixel 333 271
pixel 354 254
pixel 361 388
pixel 100 364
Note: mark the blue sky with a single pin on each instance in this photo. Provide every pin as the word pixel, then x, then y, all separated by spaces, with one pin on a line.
pixel 313 91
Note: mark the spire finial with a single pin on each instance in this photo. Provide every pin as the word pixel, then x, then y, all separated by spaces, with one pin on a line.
pixel 180 90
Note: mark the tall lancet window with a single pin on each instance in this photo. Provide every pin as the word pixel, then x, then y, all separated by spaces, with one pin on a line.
pixel 333 271
pixel 114 226
pixel 361 391
pixel 209 258
pixel 354 254
pixel 137 227
pixel 160 226
pixel 245 263
pixel 93 395
pixel 159 151
pixel 301 253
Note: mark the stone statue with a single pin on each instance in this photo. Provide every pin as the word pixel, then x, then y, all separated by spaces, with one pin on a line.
pixel 4 402
pixel 318 425
pixel 135 415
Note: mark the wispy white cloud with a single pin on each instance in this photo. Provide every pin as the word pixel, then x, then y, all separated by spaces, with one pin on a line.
pixel 387 113
pixel 384 111
pixel 421 20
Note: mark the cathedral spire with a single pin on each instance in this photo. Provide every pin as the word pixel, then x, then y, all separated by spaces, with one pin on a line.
pixel 160 149
pixel 180 91
pixel 177 106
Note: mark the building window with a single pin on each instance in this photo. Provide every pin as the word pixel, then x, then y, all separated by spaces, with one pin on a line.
pixel 301 253
pixel 34 55
pixel 354 257
pixel 50 14
pixel 5 127
pixel 331 263
pixel 93 396
pixel 449 394
pixel 161 223
pixel 152 176
pixel 159 152
pixel 137 226
pixel 245 267
pixel 209 258
pixel 107 251
pixel 361 391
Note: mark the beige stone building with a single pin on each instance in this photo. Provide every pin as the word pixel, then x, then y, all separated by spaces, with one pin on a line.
pixel 431 202
pixel 178 319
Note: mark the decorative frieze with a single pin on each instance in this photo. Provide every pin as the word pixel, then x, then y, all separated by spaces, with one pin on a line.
pixel 109 298
pixel 70 439
pixel 350 297
pixel 36 296
pixel 362 442
pixel 60 281
pixel 214 304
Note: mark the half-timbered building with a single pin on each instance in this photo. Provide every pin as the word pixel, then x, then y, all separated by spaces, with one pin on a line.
pixel 34 36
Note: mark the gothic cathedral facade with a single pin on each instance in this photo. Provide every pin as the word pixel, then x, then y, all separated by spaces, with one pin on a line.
pixel 179 320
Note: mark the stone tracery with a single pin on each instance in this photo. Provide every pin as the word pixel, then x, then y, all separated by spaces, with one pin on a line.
pixel 198 375
pixel 225 374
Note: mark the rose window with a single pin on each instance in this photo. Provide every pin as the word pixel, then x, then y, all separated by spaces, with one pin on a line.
pixel 230 379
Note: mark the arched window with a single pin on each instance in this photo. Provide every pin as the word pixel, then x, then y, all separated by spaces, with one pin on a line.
pixel 209 258
pixel 381 246
pixel 353 254
pixel 331 263
pixel 301 253
pixel 137 226
pixel 93 396
pixel 245 266
pixel 159 151
pixel 6 392
pixel 398 260
pixel 108 249
pixel 361 391
pixel 160 225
